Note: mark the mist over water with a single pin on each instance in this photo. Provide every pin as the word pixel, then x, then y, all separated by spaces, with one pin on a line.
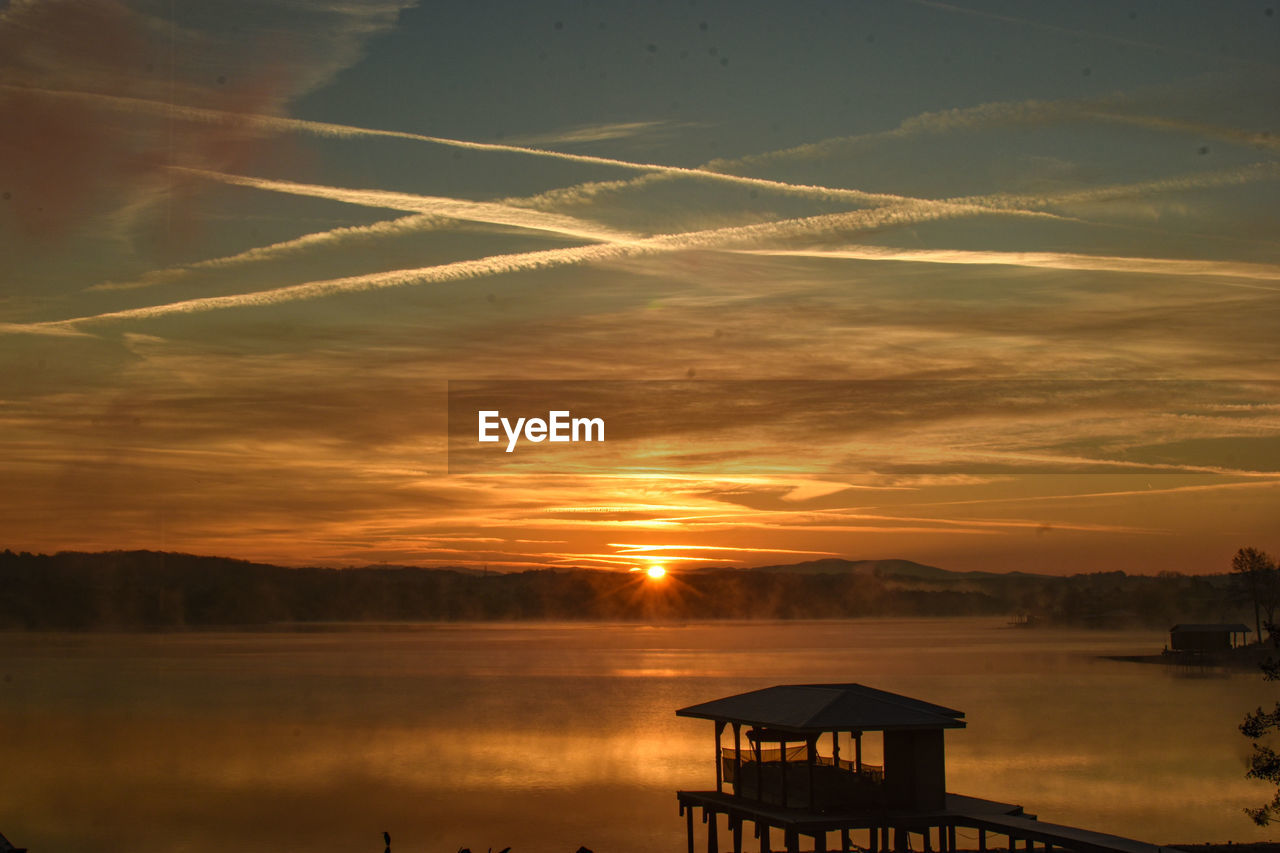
pixel 544 737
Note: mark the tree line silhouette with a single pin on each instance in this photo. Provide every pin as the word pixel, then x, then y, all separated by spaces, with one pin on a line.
pixel 149 590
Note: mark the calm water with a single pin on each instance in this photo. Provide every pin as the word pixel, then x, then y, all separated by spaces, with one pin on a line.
pixel 546 737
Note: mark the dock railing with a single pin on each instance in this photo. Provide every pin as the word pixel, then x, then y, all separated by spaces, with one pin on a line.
pixel 827 784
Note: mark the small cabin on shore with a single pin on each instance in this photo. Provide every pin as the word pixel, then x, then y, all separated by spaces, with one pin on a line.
pixel 1206 638
pixel 783 768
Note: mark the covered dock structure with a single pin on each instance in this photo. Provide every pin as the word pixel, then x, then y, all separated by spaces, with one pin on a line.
pixel 783 770
pixel 1205 638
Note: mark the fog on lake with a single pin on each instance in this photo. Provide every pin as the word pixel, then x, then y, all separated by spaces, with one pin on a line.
pixel 544 737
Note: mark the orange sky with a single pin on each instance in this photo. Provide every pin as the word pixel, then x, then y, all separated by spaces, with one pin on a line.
pixel 248 248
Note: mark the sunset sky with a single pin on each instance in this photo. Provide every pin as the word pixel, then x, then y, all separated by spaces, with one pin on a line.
pixel 985 285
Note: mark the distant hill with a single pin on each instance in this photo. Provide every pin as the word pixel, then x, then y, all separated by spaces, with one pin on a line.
pixel 150 590
pixel 872 568
pixel 892 568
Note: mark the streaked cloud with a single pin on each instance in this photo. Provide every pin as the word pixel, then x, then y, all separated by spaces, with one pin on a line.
pixel 1044 260
pixel 241 273
pixel 599 133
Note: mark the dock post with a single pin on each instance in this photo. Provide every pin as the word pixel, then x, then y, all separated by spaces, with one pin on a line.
pixel 792 840
pixel 845 844
pixel 873 833
pixel 810 757
pixel 737 834
pixel 737 757
pixel 783 750
pixel 982 841
pixel 762 829
pixel 755 747
pixel 713 839
pixel 719 760
pixel 951 838
pixel 688 822
pixel 927 835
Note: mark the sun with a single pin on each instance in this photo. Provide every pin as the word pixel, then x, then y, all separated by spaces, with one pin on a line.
pixel 656 572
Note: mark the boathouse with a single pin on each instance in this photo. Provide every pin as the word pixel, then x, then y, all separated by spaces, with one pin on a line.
pixel 780 765
pixel 1208 638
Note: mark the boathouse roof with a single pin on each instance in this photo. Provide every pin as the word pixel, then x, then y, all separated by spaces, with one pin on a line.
pixel 1208 628
pixel 825 708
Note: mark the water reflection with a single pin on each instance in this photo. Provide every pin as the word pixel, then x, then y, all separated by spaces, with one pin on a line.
pixel 547 737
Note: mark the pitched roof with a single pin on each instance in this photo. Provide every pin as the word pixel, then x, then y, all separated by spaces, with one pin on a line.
pixel 826 707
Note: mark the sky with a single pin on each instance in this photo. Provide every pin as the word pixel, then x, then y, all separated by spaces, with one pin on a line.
pixel 986 285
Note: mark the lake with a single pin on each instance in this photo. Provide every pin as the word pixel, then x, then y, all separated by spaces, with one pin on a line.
pixel 544 737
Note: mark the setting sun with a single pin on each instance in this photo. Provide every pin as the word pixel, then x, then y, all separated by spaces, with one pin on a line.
pixel 656 572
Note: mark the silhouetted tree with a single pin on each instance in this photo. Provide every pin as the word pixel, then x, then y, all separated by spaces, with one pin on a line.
pixel 1264 763
pixel 1260 580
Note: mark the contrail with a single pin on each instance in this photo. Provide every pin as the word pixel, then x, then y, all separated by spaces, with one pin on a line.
pixel 1005 203
pixel 417 223
pixel 343 131
pixel 718 238
pixel 1231 177
pixel 932 122
pixel 927 122
pixel 1111 109
pixel 912 210
pixel 1266 481
pixel 353 284
pixel 497 264
pixel 1043 260
pixel 452 208
pixel 433 209
pixel 55 328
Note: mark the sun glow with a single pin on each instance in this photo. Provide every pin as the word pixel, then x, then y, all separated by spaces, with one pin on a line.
pixel 656 572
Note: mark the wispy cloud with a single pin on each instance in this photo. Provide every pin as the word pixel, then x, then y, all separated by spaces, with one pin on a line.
pixel 1107 110
pixel 814 226
pixel 416 224
pixel 95 52
pixel 1044 260
pixel 1016 204
pixel 452 208
pixel 600 133
pixel 1265 171
pixel 340 131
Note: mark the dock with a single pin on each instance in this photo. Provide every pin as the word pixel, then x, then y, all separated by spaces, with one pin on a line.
pixel 798 792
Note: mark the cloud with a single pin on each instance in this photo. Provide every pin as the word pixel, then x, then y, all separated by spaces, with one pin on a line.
pixel 600 133
pixel 1111 109
pixel 452 208
pixel 416 224
pixel 279 124
pixel 814 226
pixel 63 62
pixel 1044 260
pixel 1012 203
pixel 1266 171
